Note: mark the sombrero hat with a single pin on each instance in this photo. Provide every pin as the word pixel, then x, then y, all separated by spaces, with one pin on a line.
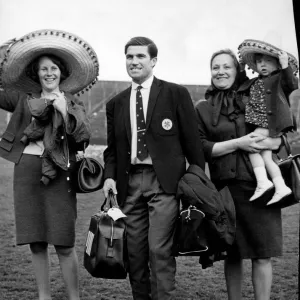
pixel 248 48
pixel 78 56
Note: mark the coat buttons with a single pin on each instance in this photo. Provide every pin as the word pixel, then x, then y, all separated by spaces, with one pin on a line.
pixel 268 91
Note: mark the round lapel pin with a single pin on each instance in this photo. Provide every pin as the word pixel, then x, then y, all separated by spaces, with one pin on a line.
pixel 167 124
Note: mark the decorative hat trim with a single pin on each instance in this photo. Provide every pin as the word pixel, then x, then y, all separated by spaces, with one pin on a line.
pixel 248 48
pixel 80 59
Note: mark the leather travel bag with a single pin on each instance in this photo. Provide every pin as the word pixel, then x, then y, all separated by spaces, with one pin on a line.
pixel 105 252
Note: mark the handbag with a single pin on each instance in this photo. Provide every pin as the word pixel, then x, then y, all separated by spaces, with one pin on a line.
pixel 88 175
pixel 105 252
pixel 208 227
pixel 290 170
pixel 190 235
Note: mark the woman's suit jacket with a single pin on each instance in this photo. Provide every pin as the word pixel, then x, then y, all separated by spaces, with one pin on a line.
pixel 167 148
pixel 11 147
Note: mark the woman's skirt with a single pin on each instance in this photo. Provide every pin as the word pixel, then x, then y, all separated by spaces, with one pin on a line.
pixel 258 227
pixel 43 213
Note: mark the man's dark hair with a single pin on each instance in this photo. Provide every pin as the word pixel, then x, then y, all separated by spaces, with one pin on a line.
pixel 33 68
pixel 143 41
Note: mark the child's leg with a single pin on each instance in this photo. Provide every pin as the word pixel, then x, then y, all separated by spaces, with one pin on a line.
pixel 281 190
pixel 258 164
pixel 263 183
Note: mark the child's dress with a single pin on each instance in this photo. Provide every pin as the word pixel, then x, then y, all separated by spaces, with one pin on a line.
pixel 256 109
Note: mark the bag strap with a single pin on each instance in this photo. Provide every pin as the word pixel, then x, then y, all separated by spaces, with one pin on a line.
pixel 89 164
pixel 109 202
pixel 286 145
pixel 113 200
pixel 105 206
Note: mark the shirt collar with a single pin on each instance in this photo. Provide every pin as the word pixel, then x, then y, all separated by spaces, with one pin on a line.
pixel 146 84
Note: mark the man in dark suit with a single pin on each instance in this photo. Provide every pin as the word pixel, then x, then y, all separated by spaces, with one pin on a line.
pixel 151 130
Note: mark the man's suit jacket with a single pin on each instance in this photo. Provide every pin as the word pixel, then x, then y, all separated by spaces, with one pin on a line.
pixel 168 148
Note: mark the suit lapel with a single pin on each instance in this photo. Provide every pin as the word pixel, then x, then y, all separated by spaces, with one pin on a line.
pixel 154 91
pixel 126 111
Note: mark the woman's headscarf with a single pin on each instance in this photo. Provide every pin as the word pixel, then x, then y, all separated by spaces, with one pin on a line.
pixel 228 98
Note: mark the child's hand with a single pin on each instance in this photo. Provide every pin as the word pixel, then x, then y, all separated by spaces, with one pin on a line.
pixel 283 59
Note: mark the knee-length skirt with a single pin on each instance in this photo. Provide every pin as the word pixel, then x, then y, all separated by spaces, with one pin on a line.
pixel 258 227
pixel 43 213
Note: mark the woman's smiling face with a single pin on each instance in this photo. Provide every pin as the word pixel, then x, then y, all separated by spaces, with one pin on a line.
pixel 223 71
pixel 49 74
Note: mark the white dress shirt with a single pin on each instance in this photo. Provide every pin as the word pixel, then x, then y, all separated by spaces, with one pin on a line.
pixel 145 91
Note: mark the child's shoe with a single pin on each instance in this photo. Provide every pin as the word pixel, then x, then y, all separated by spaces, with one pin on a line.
pixel 261 189
pixel 283 192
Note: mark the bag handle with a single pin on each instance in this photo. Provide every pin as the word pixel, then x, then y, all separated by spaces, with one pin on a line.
pixel 110 201
pixel 84 146
pixel 113 200
pixel 286 146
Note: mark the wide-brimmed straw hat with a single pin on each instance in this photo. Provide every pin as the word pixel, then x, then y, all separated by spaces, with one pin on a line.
pixel 248 48
pixel 77 55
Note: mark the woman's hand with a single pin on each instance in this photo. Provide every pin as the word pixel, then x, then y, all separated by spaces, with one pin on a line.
pixel 251 142
pixel 271 143
pixel 60 103
pixel 248 143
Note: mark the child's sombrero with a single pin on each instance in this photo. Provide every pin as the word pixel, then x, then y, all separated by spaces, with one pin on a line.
pixel 79 57
pixel 248 48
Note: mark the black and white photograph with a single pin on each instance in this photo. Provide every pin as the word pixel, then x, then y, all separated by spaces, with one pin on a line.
pixel 149 150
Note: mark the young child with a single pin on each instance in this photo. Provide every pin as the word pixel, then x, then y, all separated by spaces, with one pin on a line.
pixel 268 108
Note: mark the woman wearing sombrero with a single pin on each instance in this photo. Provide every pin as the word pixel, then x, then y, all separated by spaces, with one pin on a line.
pixel 39 74
pixel 268 109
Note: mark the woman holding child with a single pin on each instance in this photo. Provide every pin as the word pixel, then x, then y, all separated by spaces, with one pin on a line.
pixel 227 142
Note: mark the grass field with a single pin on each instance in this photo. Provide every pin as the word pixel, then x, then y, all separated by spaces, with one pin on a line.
pixel 17 281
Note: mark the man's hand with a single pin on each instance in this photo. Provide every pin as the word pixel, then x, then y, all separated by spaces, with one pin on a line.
pixel 109 184
pixel 283 59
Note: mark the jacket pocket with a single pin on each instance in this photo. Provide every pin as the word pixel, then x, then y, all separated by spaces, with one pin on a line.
pixel 7 140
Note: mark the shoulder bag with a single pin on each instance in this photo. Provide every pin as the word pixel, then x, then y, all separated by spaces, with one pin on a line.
pixel 290 170
pixel 88 175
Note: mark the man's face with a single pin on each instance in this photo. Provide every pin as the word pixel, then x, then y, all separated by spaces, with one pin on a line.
pixel 266 64
pixel 139 64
